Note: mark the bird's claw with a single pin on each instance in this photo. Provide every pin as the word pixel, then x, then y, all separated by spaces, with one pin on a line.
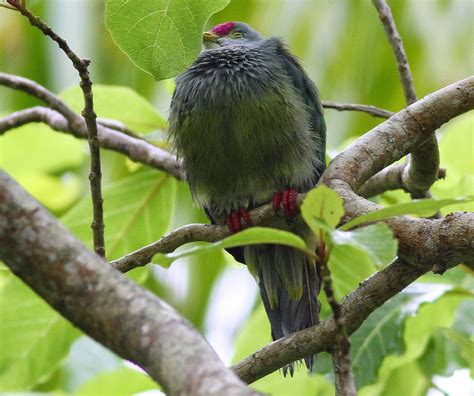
pixel 287 200
pixel 235 219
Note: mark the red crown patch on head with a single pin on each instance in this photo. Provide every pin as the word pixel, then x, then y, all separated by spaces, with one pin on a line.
pixel 223 29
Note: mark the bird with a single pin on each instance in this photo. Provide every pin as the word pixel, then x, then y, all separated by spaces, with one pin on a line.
pixel 247 123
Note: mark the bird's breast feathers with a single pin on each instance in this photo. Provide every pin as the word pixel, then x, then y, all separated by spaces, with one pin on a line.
pixel 240 127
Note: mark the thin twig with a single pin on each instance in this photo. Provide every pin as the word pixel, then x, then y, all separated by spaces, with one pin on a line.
pixel 95 176
pixel 38 91
pixel 385 15
pixel 372 110
pixel 345 385
pixel 119 126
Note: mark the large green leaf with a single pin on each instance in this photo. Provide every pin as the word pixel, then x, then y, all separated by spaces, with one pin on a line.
pixel 398 332
pixel 56 193
pixel 251 236
pixel 34 339
pixel 137 211
pixel 37 157
pixel 322 205
pixel 421 207
pixel 35 148
pixel 162 37
pixel 376 240
pixel 452 348
pixel 118 103
pixel 349 266
pixel 123 381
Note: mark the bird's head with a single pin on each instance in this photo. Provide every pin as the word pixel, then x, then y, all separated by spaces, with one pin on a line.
pixel 230 33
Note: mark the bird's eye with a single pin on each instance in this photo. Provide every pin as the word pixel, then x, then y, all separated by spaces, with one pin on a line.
pixel 237 35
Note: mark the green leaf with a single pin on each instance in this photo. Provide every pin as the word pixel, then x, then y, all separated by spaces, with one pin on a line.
pixel 452 348
pixel 56 193
pixel 161 37
pixel 447 351
pixel 123 381
pixel 47 150
pixel 421 207
pixel 398 332
pixel 137 211
pixel 251 236
pixel 456 156
pixel 322 204
pixel 349 266
pixel 376 240
pixel 118 103
pixel 34 338
pixel 37 157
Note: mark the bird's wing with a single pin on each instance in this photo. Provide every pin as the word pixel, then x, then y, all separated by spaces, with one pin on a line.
pixel 309 94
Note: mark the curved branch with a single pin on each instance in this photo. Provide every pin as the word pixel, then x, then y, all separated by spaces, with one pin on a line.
pixel 423 164
pixel 115 311
pixel 38 91
pixel 396 137
pixel 137 150
pixel 390 178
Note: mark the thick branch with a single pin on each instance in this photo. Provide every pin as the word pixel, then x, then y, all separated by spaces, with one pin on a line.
pixel 129 320
pixel 396 137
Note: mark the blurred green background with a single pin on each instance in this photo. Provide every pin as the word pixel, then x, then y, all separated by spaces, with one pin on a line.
pixel 419 343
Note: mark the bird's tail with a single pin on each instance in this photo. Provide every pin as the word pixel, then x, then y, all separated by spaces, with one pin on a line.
pixel 289 284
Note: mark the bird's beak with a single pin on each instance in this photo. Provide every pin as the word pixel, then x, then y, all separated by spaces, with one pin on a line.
pixel 209 37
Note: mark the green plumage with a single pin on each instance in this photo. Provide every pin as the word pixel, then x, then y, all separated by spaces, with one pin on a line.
pixel 247 122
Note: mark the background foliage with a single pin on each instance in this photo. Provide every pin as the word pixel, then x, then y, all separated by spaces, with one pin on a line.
pixel 409 345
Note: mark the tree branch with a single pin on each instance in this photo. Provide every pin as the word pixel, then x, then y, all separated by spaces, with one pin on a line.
pixel 90 117
pixel 355 307
pixel 38 91
pixel 129 320
pixel 372 110
pixel 136 149
pixel 345 385
pixel 396 137
pixel 392 177
pixel 118 126
pixel 386 17
pixel 423 165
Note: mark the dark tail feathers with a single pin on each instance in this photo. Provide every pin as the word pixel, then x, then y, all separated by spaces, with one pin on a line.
pixel 289 284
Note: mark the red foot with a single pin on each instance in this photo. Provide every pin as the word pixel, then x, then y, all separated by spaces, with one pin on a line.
pixel 287 200
pixel 234 220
